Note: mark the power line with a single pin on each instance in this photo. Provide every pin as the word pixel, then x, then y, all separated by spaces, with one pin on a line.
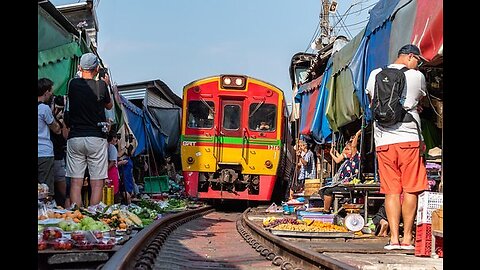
pixel 343 17
pixel 313 37
pixel 358 22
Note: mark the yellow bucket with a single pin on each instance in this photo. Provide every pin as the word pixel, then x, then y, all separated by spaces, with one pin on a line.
pixel 312 186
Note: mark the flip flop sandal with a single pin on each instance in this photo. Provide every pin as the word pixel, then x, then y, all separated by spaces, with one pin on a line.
pixel 407 246
pixel 390 246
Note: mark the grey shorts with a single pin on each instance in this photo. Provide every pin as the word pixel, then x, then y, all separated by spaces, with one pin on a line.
pixel 59 170
pixel 87 151
pixel 45 173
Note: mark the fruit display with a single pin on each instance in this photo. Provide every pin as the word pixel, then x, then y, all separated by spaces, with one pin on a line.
pixel 272 221
pixel 97 234
pixel 76 216
pixel 106 244
pixel 355 181
pixel 42 244
pixel 88 223
pixel 78 235
pixel 51 233
pixel 310 226
pixel 62 244
pixel 84 245
pixel 121 219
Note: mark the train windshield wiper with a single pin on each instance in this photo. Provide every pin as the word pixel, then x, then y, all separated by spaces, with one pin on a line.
pixel 204 102
pixel 256 108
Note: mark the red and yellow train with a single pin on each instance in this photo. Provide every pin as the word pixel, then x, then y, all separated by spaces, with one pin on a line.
pixel 235 139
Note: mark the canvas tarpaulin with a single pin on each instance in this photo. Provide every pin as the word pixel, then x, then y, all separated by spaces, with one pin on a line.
pixel 148 134
pixel 321 131
pixel 307 97
pixel 343 106
pixel 168 119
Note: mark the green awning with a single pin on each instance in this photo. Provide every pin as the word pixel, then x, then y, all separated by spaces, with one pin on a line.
pixel 66 51
pixel 343 106
pixel 342 58
pixel 60 73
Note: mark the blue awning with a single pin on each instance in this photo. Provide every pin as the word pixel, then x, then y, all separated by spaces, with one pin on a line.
pixel 321 131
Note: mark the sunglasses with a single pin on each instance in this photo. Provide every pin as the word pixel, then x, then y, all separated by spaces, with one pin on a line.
pixel 419 60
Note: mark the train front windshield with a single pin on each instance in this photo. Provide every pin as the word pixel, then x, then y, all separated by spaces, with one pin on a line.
pixel 200 115
pixel 262 117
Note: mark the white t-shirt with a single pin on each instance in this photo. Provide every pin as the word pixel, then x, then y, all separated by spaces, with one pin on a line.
pixel 45 118
pixel 406 131
pixel 113 154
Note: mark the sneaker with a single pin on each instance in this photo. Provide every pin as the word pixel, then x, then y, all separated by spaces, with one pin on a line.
pixel 407 246
pixel 390 246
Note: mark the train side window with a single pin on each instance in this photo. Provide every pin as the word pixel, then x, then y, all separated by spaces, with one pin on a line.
pixel 263 117
pixel 199 114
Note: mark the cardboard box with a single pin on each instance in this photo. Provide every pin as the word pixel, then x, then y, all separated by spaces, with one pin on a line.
pixel 437 220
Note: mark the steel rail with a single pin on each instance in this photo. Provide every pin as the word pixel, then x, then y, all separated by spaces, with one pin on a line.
pixel 282 252
pixel 127 256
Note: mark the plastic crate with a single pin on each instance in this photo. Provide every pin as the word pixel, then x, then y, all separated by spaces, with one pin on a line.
pixel 156 184
pixel 439 246
pixel 427 203
pixel 423 240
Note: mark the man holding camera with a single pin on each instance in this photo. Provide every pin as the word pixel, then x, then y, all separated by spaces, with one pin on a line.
pixel 87 140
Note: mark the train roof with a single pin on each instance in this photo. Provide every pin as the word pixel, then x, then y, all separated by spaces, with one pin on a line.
pixel 219 75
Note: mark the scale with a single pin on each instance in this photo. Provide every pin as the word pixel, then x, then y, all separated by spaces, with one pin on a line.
pixel 353 221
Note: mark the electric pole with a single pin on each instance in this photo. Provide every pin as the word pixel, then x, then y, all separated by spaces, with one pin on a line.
pixel 324 23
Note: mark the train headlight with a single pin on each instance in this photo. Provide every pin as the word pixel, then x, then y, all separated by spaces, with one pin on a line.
pixel 227 81
pixel 268 164
pixel 233 81
pixel 238 81
pixel 190 160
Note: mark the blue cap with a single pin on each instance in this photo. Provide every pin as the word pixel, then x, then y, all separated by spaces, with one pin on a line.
pixel 88 61
pixel 410 48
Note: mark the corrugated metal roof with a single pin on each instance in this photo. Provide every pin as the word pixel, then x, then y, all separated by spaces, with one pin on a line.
pixel 133 94
pixel 157 86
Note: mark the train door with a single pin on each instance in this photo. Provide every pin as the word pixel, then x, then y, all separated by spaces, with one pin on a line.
pixel 230 126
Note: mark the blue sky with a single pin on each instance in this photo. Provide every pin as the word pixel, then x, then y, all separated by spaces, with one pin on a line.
pixel 179 41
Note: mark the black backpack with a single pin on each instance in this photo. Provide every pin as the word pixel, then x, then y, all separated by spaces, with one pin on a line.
pixel 388 99
pixel 387 104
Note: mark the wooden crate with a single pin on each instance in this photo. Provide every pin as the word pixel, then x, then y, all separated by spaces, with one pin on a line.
pixel 312 186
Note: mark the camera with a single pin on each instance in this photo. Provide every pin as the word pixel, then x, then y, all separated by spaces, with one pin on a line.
pixel 102 72
pixel 59 101
pixel 104 126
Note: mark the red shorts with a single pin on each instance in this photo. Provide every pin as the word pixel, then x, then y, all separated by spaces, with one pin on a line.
pixel 401 168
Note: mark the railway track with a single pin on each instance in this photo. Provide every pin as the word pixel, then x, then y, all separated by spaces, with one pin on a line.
pixel 207 239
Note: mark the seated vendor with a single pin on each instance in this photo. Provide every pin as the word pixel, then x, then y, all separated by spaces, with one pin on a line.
pixel 347 171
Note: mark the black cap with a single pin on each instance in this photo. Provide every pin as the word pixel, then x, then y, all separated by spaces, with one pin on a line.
pixel 410 48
